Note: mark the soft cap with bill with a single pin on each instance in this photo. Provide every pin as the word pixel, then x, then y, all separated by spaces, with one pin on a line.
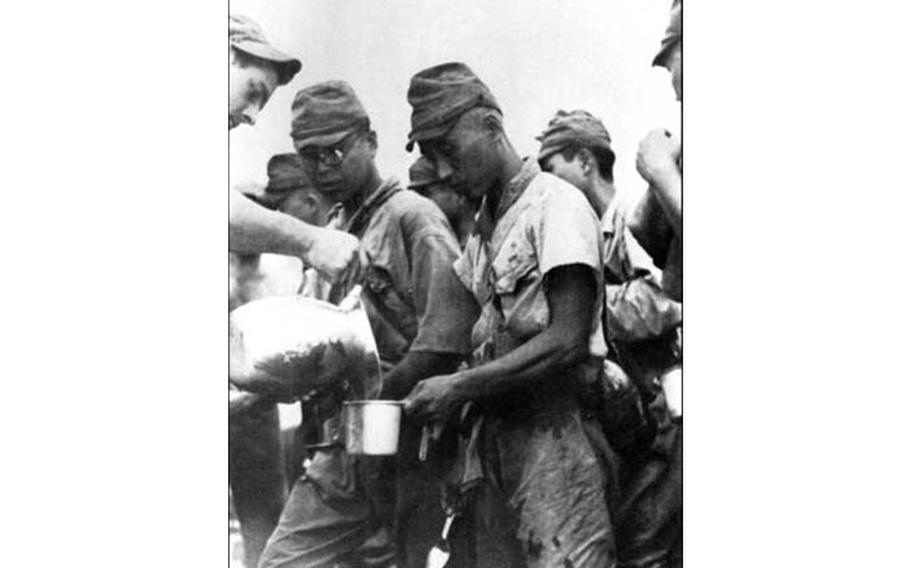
pixel 324 114
pixel 245 35
pixel 286 174
pixel 673 34
pixel 441 94
pixel 578 127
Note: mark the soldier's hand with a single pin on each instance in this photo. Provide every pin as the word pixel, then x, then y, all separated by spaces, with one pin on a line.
pixel 336 255
pixel 658 153
pixel 433 399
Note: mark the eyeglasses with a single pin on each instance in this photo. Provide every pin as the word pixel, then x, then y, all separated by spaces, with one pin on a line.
pixel 331 156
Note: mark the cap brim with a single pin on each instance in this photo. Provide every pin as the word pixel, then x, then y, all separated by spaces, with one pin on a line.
pixel 288 66
pixel 322 140
pixel 285 187
pixel 658 60
pixel 417 186
pixel 427 134
pixel 543 154
pixel 267 200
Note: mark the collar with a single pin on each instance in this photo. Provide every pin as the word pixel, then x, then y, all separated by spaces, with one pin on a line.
pixel 359 220
pixel 608 223
pixel 510 194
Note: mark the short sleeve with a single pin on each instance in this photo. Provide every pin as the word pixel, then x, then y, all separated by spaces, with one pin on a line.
pixel 568 231
pixel 446 310
pixel 464 265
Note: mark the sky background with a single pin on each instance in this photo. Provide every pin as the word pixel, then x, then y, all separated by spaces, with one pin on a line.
pixel 536 57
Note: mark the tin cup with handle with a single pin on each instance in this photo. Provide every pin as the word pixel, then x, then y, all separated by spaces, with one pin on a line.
pixel 371 427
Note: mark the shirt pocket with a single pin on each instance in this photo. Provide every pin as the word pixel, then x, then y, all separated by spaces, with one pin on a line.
pixel 514 266
pixel 518 292
pixel 394 307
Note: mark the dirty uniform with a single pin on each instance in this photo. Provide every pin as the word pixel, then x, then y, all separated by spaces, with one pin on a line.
pixel 540 498
pixel 341 510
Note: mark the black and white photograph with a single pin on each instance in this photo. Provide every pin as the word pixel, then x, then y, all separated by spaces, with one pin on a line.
pixel 454 280
pixel 455 298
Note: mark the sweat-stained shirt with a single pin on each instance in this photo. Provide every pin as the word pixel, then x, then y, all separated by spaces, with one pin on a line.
pixel 340 510
pixel 543 223
pixel 530 458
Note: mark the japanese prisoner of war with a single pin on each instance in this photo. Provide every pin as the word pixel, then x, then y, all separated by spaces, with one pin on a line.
pixel 535 266
pixel 343 508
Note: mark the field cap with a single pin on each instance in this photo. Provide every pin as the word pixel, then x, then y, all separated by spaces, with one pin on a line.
pixel 423 173
pixel 246 35
pixel 441 94
pixel 325 113
pixel 673 34
pixel 577 127
pixel 286 174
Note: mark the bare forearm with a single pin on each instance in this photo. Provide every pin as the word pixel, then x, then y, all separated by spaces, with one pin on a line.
pixel 562 344
pixel 667 187
pixel 255 229
pixel 413 368
pixel 536 360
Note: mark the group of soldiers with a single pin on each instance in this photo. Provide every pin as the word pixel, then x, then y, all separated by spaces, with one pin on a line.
pixel 530 324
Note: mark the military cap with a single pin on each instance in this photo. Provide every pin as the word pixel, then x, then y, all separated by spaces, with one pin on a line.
pixel 325 113
pixel 423 173
pixel 578 127
pixel 441 94
pixel 673 34
pixel 286 174
pixel 245 35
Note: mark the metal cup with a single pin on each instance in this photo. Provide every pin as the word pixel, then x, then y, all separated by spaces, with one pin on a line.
pixel 371 427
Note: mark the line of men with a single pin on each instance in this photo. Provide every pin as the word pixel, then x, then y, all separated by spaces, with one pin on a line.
pixel 529 324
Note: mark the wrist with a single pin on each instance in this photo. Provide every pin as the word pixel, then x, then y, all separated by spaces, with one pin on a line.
pixel 305 239
pixel 665 178
pixel 462 386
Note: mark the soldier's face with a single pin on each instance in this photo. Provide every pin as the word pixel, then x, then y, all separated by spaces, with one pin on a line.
pixel 341 171
pixel 251 86
pixel 569 170
pixel 467 154
pixel 308 205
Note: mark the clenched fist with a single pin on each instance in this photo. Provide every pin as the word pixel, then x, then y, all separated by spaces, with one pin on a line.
pixel 658 153
pixel 337 256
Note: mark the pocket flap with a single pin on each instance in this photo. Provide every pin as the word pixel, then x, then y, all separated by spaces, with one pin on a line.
pixel 508 271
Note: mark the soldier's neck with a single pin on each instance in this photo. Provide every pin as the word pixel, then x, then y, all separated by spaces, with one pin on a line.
pixel 511 165
pixel 603 193
pixel 370 186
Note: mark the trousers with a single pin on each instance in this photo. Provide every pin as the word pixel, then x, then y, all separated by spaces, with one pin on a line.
pixel 543 500
pixel 256 476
